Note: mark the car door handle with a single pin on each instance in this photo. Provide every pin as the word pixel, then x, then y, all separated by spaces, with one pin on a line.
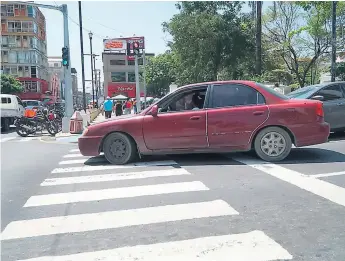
pixel 194 118
pixel 256 113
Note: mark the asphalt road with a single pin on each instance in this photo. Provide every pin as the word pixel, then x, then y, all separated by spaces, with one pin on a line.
pixel 196 207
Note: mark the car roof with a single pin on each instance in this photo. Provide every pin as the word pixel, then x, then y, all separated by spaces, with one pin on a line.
pixel 250 83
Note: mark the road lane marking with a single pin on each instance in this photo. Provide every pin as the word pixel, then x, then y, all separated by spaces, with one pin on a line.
pixel 82 161
pixel 27 139
pixel 76 155
pixel 115 219
pixel 318 187
pixel 114 193
pixel 7 139
pixel 109 167
pixel 255 245
pixel 75 150
pixel 331 174
pixel 115 177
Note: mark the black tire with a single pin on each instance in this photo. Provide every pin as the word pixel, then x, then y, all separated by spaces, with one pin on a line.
pixel 52 128
pixel 276 132
pixel 22 132
pixel 123 152
pixel 5 124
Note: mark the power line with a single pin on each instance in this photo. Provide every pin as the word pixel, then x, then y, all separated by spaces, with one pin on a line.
pixel 87 30
pixel 105 26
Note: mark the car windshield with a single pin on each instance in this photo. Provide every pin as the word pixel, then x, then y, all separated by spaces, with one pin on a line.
pixel 272 91
pixel 305 92
pixel 31 103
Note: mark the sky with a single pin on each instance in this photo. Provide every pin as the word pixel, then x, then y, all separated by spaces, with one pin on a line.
pixel 107 20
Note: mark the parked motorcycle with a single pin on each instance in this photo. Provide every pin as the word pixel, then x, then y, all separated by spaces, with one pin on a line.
pixel 40 121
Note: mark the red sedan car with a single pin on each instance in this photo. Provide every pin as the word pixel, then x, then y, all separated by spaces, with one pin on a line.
pixel 214 117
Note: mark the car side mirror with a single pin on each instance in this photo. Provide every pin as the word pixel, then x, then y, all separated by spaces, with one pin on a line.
pixel 154 110
pixel 318 98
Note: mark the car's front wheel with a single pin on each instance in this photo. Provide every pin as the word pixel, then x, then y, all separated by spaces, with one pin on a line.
pixel 273 144
pixel 119 149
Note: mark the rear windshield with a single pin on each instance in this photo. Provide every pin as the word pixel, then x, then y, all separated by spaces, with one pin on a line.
pixel 305 92
pixel 31 103
pixel 272 91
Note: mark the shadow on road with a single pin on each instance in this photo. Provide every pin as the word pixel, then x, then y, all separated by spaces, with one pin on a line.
pixel 11 130
pixel 337 136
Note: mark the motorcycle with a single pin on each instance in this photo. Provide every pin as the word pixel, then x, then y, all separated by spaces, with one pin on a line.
pixel 30 125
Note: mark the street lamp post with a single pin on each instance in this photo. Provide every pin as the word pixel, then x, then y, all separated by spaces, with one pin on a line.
pixel 92 82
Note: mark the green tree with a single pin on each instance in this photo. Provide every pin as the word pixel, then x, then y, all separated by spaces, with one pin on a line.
pixel 160 73
pixel 10 85
pixel 296 38
pixel 340 72
pixel 209 39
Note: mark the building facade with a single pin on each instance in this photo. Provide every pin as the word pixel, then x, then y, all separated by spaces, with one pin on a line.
pixel 119 74
pixel 56 76
pixel 24 48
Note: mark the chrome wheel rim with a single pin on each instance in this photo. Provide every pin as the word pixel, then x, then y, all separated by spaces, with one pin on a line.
pixel 273 144
pixel 118 148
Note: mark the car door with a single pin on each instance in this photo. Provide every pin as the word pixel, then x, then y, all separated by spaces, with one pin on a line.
pixel 236 112
pixel 176 128
pixel 334 105
pixel 21 107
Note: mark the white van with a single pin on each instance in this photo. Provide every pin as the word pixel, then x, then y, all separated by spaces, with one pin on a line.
pixel 11 106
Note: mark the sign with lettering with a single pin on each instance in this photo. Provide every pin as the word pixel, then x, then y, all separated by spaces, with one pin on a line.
pixel 119 44
pixel 114 45
pixel 127 89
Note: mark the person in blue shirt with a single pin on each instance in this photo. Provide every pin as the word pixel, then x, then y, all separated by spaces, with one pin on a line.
pixel 108 107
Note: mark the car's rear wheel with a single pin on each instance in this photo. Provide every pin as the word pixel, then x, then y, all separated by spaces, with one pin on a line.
pixel 273 144
pixel 119 149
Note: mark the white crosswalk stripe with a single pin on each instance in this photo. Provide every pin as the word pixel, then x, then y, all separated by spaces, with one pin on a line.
pixel 101 182
pixel 18 139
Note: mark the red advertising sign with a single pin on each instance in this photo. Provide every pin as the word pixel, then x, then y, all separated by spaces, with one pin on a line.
pixel 118 44
pixel 126 89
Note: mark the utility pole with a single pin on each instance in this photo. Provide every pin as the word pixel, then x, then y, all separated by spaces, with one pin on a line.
pixel 144 76
pixel 91 54
pixel 82 55
pixel 67 71
pixel 137 85
pixel 334 40
pixel 95 73
pixel 258 37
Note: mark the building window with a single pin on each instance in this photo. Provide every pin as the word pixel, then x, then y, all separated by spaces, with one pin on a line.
pixel 30 11
pixel 25 42
pixel 130 62
pixel 3 11
pixel 131 77
pixel 4 41
pixel 56 64
pixel 4 56
pixel 118 77
pixel 10 10
pixel 12 57
pixel 117 62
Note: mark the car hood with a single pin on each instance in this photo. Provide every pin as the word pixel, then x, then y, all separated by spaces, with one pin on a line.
pixel 117 118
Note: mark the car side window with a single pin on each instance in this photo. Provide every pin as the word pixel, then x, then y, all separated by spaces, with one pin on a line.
pixel 186 101
pixel 343 88
pixel 229 95
pixel 331 93
pixel 20 102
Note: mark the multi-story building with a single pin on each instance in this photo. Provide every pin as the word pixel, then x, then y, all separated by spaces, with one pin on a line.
pixel 24 48
pixel 55 74
pixel 119 74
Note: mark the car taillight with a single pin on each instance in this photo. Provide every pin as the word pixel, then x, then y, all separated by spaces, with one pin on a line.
pixel 319 109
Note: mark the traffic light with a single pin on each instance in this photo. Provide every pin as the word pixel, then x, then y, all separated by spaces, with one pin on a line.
pixel 136 50
pixel 65 57
pixel 128 49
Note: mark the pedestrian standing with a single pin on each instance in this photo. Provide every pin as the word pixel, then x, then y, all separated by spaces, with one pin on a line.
pixel 118 108
pixel 108 107
pixel 135 106
pixel 128 106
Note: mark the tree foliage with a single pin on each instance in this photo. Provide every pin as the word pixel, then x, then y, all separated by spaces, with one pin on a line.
pixel 216 41
pixel 10 85
pixel 160 72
